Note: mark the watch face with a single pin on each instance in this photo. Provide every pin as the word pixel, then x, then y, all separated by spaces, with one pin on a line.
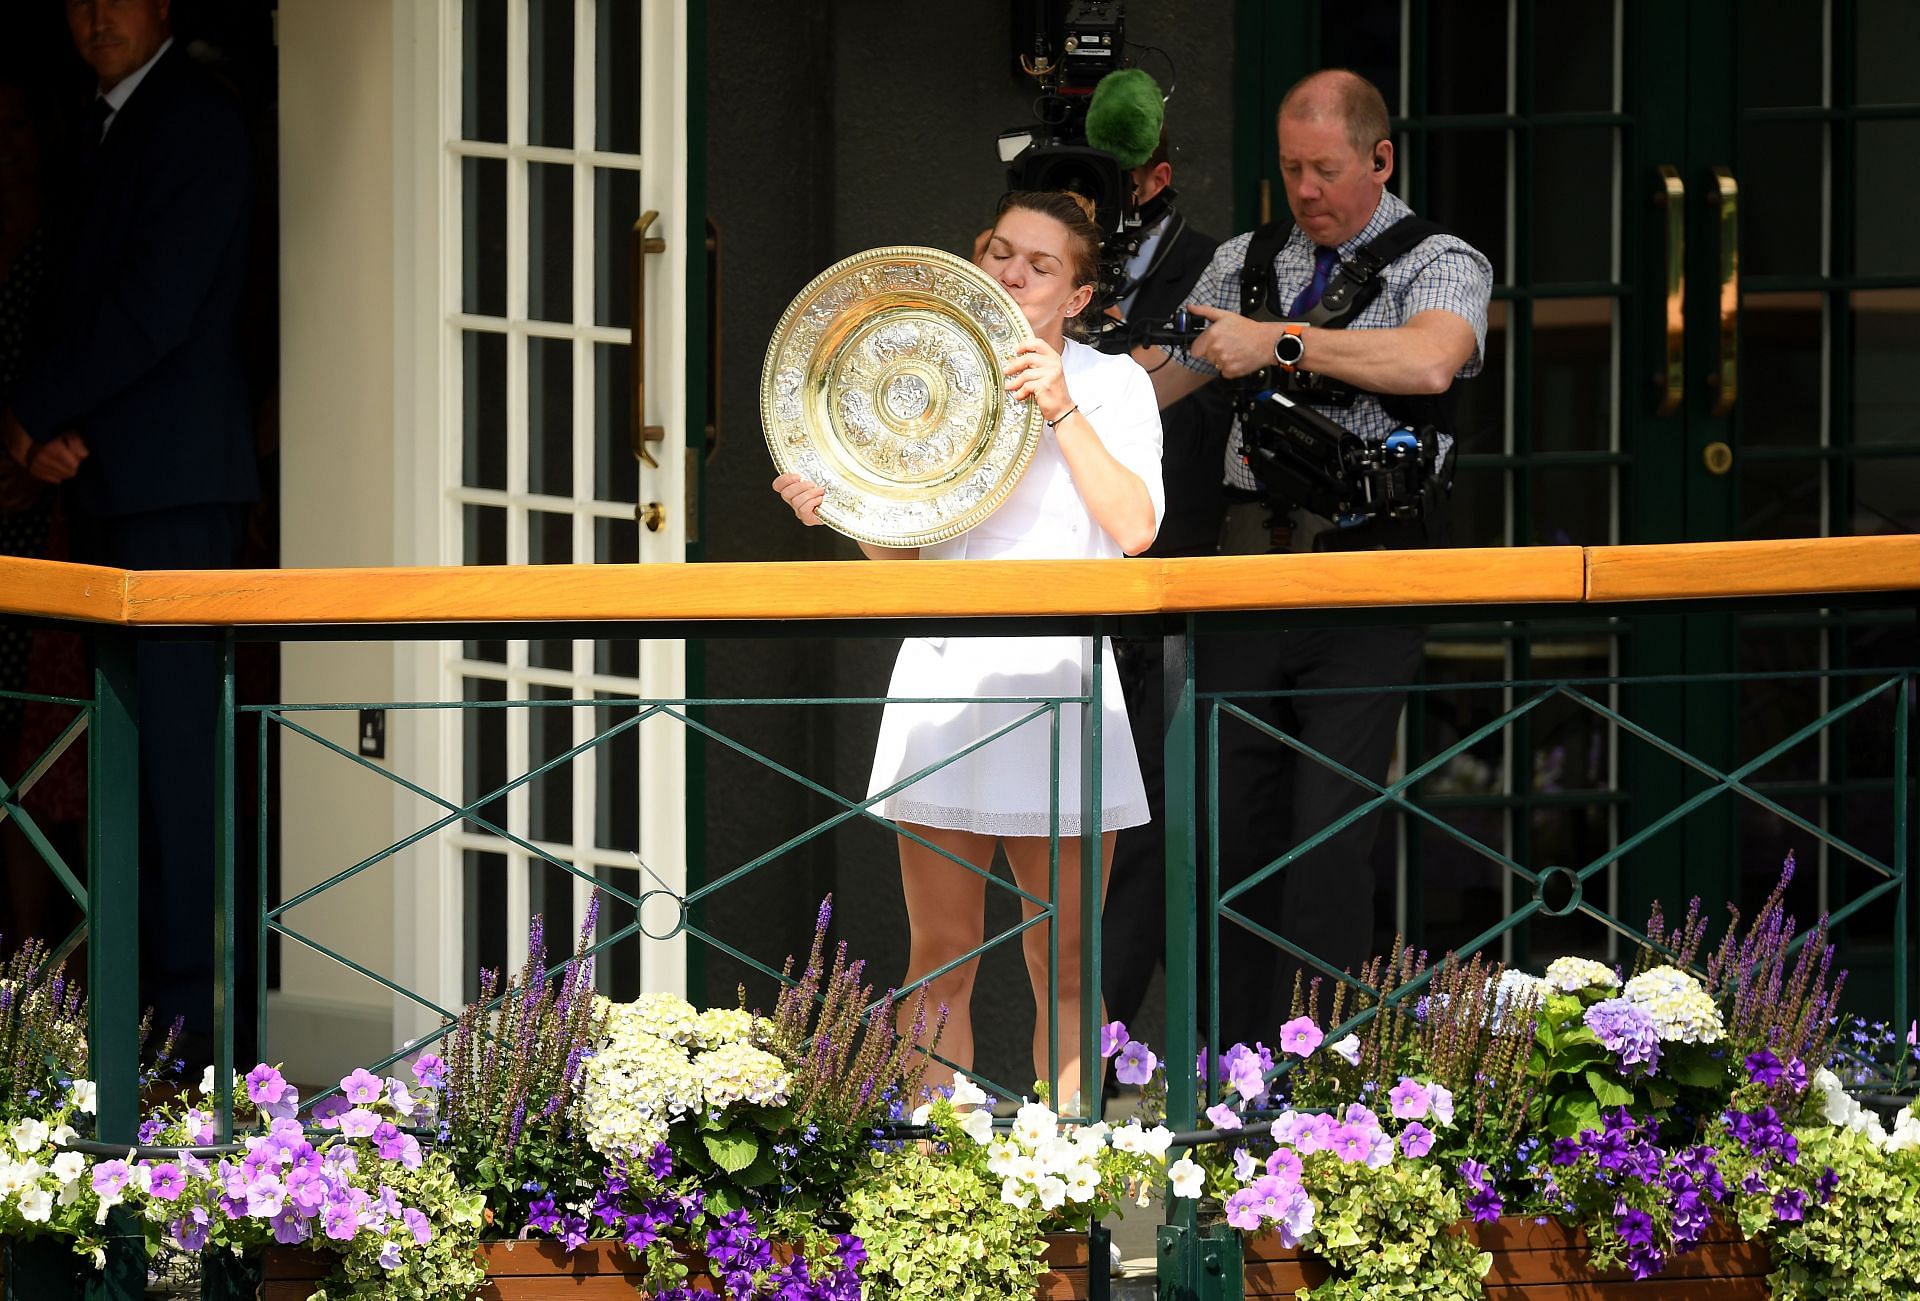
pixel 1288 349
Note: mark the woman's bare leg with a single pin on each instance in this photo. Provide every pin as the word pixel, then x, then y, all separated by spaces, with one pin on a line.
pixel 946 916
pixel 1029 856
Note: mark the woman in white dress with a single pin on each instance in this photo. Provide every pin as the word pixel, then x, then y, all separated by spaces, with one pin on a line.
pixel 1093 490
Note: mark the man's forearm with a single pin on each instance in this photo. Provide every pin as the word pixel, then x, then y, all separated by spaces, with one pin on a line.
pixel 1421 356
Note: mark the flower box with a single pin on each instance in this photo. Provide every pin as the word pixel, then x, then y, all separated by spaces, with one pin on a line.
pixel 38 1270
pixel 545 1271
pixel 1546 1262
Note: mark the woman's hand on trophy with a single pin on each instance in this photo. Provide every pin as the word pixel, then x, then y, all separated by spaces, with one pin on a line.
pixel 803 496
pixel 1034 375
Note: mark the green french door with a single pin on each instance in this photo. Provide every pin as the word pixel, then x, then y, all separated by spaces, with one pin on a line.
pixel 1703 302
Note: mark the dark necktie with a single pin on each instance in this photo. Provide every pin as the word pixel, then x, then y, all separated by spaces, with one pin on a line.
pixel 94 122
pixel 1324 261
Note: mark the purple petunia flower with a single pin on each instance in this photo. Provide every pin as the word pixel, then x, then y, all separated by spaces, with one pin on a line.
pixel 265 1084
pixel 166 1182
pixel 1135 1064
pixel 1223 1116
pixel 1301 1036
pixel 1764 1069
pixel 1416 1140
pixel 1113 1037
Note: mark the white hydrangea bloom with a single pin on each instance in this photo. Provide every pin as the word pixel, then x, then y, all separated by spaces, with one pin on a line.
pixel 729 1025
pixel 1571 975
pixel 665 1016
pixel 739 1072
pixel 1682 1011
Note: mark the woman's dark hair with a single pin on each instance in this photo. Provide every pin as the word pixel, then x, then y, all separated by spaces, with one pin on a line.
pixel 1072 211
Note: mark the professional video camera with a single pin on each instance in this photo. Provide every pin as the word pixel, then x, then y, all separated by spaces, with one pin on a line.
pixel 1068 46
pixel 1303 458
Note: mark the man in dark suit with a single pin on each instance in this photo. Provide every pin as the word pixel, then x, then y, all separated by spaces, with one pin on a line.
pixel 138 397
pixel 1169 261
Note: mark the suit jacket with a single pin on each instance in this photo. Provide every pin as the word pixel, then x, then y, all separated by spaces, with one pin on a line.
pixel 143 352
pixel 1194 429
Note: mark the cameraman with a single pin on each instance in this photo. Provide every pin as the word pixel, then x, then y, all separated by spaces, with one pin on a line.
pixel 1423 330
pixel 1126 118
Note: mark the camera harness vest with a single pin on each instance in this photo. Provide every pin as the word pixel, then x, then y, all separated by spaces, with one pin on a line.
pixel 1355 283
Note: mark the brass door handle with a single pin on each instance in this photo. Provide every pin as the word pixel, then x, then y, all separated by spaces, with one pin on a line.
pixel 1671 380
pixel 1718 457
pixel 640 433
pixel 1726 380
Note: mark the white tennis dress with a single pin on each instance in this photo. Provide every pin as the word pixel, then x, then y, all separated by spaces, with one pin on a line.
pixel 1002 788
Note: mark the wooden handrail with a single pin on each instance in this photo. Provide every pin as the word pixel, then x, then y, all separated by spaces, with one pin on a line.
pixel 814 590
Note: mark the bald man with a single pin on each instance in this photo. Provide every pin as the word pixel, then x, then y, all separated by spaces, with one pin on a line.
pixel 1386 364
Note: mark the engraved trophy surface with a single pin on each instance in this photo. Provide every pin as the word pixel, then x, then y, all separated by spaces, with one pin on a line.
pixel 883 385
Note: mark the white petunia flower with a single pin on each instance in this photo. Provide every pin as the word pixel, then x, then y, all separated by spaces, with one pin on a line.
pixel 36 1206
pixel 28 1134
pixel 1347 1049
pixel 1188 1179
pixel 966 1093
pixel 977 1125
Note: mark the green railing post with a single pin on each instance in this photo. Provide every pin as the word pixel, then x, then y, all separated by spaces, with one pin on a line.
pixel 113 941
pixel 1223 1274
pixel 225 904
pixel 1092 897
pixel 1178 1242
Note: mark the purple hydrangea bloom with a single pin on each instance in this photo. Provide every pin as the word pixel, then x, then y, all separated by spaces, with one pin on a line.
pixel 1626 1031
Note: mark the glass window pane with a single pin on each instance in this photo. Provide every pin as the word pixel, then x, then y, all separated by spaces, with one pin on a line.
pixel 549 242
pixel 485 889
pixel 550 542
pixel 1781 499
pixel 1884 199
pixel 485 530
pixel 483 63
pixel 1467 173
pixel 1774 708
pixel 1886 495
pixel 616 205
pixel 1480 422
pixel 1572 204
pixel 550 796
pixel 1479 507
pixel 1888 32
pixel 1572 505
pixel 484 742
pixel 1572 745
pixel 1782 386
pixel 483 414
pixel 1364 35
pixel 1782 196
pixel 616 474
pixel 483 242
pixel 550 895
pixel 1573 56
pixel 1886 339
pixel 550 416
pixel 550 73
pixel 1781 47
pixel 617 76
pixel 617 781
pixel 616 542
pixel 1573 384
pixel 1467 59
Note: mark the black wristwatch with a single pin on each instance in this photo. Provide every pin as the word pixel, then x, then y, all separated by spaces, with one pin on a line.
pixel 1290 348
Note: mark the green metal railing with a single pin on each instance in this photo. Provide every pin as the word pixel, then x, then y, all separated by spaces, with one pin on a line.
pixel 1199 902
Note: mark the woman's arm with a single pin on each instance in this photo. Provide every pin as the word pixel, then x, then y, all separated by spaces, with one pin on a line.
pixel 1116 497
pixel 805 498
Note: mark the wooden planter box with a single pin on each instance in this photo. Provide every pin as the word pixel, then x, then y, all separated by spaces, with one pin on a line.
pixel 1545 1262
pixel 542 1270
